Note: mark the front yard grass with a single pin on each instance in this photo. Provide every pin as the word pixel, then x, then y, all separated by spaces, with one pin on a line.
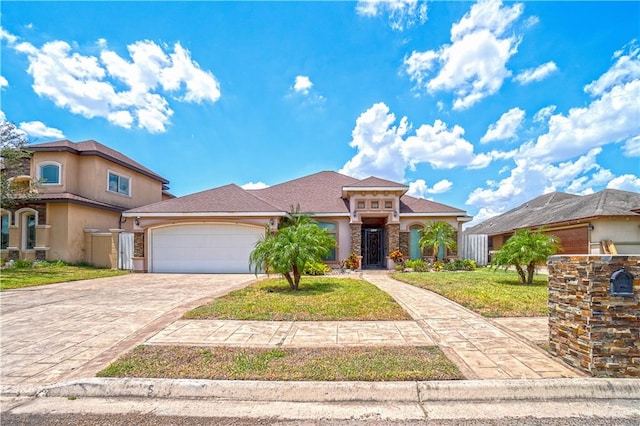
pixel 319 364
pixel 320 298
pixel 50 273
pixel 491 293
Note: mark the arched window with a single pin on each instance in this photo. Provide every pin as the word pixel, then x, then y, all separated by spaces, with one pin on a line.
pixel 6 221
pixel 331 230
pixel 49 173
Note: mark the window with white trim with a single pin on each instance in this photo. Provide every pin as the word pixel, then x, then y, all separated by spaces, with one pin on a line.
pixel 49 173
pixel 119 184
pixel 331 229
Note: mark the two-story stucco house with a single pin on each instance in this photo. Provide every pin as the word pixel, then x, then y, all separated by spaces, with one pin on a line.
pixel 83 188
pixel 216 230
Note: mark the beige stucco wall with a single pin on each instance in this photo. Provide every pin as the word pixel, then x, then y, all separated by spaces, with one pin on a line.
pixel 624 232
pixel 87 176
pixel 68 222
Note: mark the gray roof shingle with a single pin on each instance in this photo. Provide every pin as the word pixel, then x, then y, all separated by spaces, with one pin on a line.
pixel 558 207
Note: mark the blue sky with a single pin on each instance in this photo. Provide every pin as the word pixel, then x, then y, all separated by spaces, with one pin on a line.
pixel 481 106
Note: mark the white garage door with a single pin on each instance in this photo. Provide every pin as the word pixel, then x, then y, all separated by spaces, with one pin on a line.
pixel 203 248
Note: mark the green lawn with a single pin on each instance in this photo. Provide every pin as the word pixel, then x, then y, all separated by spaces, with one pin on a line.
pixel 323 364
pixel 491 293
pixel 321 298
pixel 50 273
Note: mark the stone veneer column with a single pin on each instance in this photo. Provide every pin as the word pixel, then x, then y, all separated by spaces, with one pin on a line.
pixel 356 238
pixel 393 237
pixel 404 243
pixel 588 327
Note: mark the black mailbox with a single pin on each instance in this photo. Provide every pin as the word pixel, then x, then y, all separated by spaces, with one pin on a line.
pixel 621 283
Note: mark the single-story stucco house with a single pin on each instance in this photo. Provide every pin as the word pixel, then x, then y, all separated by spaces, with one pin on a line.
pixel 599 223
pixel 214 231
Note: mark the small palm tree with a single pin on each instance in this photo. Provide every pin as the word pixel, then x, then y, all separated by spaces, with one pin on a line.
pixel 526 249
pixel 437 234
pixel 288 251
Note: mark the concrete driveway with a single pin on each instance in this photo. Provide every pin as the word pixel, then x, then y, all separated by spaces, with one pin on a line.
pixel 64 331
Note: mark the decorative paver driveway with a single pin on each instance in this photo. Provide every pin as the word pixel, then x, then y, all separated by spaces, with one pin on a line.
pixel 64 331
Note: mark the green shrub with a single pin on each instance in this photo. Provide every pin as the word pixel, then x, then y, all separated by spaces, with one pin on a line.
pixel 316 268
pixel 22 264
pixel 48 263
pixel 460 265
pixel 417 265
pixel 438 266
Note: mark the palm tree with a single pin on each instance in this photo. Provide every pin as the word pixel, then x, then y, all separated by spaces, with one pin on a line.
pixel 436 235
pixel 526 249
pixel 288 250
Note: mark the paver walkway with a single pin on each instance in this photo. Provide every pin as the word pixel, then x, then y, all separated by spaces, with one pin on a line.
pixel 481 348
pixel 292 333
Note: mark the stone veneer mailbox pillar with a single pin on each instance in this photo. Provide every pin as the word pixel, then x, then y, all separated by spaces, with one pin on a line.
pixel 593 325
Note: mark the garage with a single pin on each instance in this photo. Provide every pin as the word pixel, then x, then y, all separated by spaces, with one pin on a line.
pixel 203 248
pixel 573 240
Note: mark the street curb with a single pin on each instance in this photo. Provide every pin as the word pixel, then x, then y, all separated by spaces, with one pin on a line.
pixel 464 390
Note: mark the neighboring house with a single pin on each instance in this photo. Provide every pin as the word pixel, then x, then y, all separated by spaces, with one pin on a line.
pixel 216 230
pixel 82 190
pixel 598 223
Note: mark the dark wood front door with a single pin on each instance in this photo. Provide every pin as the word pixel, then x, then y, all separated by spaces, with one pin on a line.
pixel 373 248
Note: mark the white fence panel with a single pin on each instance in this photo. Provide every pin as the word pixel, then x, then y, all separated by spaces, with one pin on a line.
pixel 476 248
pixel 125 252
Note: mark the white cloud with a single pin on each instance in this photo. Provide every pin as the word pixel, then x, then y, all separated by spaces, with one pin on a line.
pixel 544 113
pixel 474 65
pixel 255 185
pixel 125 92
pixel 302 84
pixel 506 126
pixel 626 183
pixel 419 188
pixel 484 159
pixel 378 143
pixel 439 146
pixel 626 69
pixel 386 150
pixel 38 129
pixel 3 82
pixel 612 118
pixel 631 147
pixel 3 116
pixel 536 74
pixel 402 13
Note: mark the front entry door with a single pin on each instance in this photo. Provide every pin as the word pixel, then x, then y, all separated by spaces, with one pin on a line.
pixel 373 248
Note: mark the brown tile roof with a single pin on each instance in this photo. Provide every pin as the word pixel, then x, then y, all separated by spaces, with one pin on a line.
pixel 376 182
pixel 409 204
pixel 317 193
pixel 77 199
pixel 92 147
pixel 559 208
pixel 224 199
